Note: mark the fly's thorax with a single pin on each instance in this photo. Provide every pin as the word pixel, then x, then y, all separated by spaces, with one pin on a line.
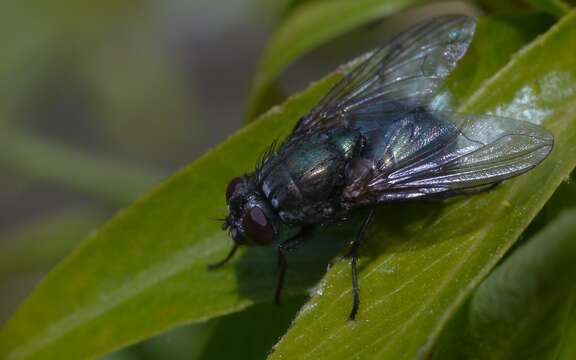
pixel 302 180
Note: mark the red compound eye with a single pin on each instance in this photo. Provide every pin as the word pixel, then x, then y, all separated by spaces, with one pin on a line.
pixel 233 185
pixel 257 227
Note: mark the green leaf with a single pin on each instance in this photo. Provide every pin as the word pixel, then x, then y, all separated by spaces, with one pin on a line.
pixel 557 8
pixel 563 199
pixel 497 38
pixel 568 351
pixel 307 26
pixel 182 343
pixel 423 260
pixel 145 271
pixel 521 310
pixel 266 323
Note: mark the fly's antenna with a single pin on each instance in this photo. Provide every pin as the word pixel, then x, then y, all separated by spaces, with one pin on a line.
pixel 224 221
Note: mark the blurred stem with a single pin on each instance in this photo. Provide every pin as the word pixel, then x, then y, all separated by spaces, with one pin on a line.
pixel 556 8
pixel 42 241
pixel 39 159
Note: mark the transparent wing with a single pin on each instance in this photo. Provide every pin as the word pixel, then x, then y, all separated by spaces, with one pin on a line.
pixel 441 153
pixel 409 69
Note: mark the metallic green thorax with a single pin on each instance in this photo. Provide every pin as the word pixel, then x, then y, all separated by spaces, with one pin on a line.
pixel 301 178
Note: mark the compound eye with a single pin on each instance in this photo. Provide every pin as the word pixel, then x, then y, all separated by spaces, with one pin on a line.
pixel 233 185
pixel 257 226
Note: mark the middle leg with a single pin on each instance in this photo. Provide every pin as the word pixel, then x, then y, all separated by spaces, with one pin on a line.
pixel 353 254
pixel 283 248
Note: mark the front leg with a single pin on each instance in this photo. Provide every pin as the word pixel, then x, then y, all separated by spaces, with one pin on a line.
pixel 225 260
pixel 283 248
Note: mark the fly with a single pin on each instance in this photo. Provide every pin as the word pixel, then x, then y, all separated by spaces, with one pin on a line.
pixel 379 136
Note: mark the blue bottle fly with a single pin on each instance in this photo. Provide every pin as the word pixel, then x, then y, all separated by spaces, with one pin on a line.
pixel 380 135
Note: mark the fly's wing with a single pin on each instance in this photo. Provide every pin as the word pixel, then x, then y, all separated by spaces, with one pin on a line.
pixel 435 154
pixel 407 70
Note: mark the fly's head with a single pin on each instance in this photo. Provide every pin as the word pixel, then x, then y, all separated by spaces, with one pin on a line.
pixel 250 219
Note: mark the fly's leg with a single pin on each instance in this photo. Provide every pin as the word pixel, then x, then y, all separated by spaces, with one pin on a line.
pixel 225 260
pixel 353 254
pixel 282 265
pixel 283 248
